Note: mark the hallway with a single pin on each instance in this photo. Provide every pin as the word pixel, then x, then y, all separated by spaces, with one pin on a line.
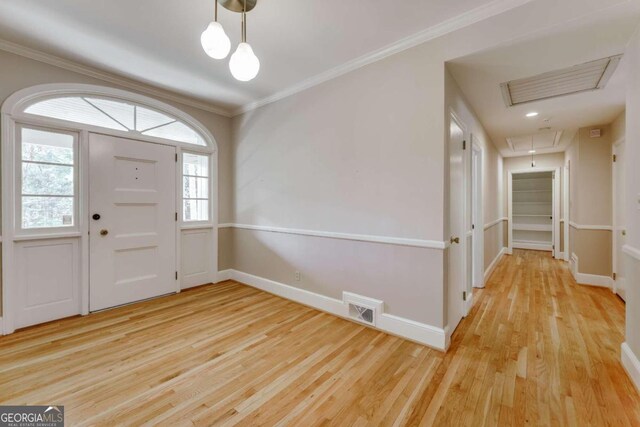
pixel 537 349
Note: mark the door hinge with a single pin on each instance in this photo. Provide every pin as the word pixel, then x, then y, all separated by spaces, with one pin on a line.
pixel 176 275
pixel 176 216
pixel 464 144
pixel 615 158
pixel 473 226
pixel 176 157
pixel 464 295
pixel 614 276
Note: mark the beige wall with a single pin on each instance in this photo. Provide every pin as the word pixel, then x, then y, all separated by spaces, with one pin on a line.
pixel 632 60
pixel 618 127
pixel 404 277
pixel 590 199
pixel 594 185
pixel 17 72
pixel 593 249
pixel 341 157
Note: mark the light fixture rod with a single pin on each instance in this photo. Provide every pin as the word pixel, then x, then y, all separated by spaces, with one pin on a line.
pixel 244 22
pixel 215 13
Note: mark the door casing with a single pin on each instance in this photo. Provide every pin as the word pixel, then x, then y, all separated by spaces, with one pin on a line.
pixel 619 196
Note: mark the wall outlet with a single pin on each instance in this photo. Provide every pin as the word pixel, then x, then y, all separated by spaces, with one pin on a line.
pixel 297 276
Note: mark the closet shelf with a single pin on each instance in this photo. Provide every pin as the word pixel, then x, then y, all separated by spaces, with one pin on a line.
pixel 532 191
pixel 532 203
pixel 532 227
pixel 533 215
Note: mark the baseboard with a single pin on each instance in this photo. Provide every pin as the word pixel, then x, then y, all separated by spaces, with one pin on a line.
pixel 561 255
pixel 406 328
pixel 631 364
pixel 223 275
pixel 594 280
pixel 532 246
pixel 588 279
pixel 489 271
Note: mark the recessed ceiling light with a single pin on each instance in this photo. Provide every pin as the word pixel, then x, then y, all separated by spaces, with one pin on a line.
pixel 532 114
pixel 532 151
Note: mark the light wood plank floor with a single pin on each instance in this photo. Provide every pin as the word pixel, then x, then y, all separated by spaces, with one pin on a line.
pixel 537 349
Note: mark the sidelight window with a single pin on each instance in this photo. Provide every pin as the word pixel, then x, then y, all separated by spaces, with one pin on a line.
pixel 195 195
pixel 47 179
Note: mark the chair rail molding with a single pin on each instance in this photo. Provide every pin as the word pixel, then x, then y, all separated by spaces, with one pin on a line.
pixel 631 251
pixel 400 241
pixel 493 223
pixel 590 226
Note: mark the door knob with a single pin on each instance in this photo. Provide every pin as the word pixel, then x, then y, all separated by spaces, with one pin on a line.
pixel 624 232
pixel 455 240
pixel 104 232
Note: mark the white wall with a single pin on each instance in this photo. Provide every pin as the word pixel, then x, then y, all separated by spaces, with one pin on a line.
pixel 492 169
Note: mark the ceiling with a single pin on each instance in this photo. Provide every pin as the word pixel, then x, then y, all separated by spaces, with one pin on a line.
pixel 158 42
pixel 585 39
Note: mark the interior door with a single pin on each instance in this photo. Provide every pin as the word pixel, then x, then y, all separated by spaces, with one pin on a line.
pixel 132 231
pixel 620 222
pixel 457 254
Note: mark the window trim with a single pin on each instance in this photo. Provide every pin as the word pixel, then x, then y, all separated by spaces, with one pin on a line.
pixel 209 220
pixel 15 106
pixel 20 231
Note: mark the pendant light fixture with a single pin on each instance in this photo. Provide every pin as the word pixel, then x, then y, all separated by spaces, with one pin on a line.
pixel 244 64
pixel 532 152
pixel 215 41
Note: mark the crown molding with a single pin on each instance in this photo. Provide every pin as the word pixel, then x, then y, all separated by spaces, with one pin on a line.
pixel 66 64
pixel 471 17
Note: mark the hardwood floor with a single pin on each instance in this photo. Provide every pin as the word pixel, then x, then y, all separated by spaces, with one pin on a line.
pixel 537 349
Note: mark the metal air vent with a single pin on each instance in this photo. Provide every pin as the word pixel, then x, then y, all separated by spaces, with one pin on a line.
pixel 579 78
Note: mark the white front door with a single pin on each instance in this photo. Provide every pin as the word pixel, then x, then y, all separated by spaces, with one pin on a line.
pixel 457 255
pixel 132 231
pixel 619 221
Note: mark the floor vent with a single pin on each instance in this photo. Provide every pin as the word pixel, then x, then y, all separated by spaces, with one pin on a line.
pixel 362 309
pixel 579 78
pixel 361 314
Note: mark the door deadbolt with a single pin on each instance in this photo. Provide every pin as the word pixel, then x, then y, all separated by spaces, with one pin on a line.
pixel 96 216
pixel 104 232
pixel 455 240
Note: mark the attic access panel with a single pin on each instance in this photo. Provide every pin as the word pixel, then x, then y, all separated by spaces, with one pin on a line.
pixel 538 141
pixel 579 78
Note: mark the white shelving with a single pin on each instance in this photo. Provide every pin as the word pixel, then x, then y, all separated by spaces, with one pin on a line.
pixel 532 199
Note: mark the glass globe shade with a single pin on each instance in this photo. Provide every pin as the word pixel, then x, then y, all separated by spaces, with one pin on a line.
pixel 215 41
pixel 244 64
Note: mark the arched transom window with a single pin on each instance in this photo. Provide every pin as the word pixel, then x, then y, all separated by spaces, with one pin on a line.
pixel 117 114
